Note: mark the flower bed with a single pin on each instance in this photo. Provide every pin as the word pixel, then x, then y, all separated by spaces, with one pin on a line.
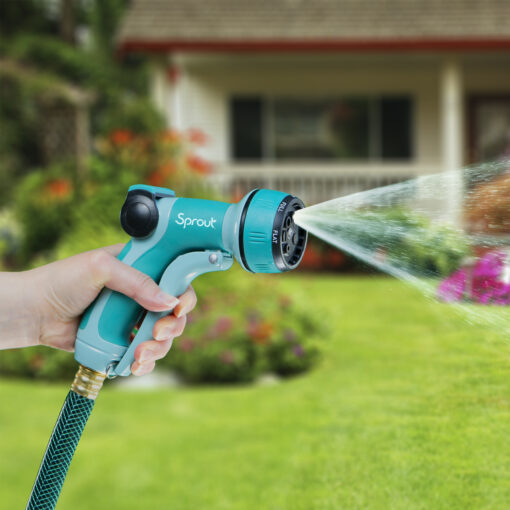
pixel 485 282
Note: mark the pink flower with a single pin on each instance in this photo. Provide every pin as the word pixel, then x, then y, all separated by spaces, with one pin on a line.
pixel 453 287
pixel 186 345
pixel 227 357
pixel 289 335
pixel 298 350
pixel 482 281
pixel 223 325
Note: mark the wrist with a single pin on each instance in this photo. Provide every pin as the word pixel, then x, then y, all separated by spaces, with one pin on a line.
pixel 19 317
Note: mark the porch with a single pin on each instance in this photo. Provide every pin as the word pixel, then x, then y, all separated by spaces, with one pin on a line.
pixel 450 120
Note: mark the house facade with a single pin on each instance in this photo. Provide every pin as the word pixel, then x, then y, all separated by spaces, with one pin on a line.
pixel 323 98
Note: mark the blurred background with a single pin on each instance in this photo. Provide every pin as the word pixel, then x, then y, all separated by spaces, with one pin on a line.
pixel 334 387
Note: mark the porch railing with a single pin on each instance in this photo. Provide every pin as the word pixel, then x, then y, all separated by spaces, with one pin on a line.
pixel 311 184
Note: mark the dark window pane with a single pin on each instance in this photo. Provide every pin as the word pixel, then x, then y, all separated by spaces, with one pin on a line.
pixel 246 122
pixel 396 127
pixel 349 127
pixel 297 129
pixel 321 129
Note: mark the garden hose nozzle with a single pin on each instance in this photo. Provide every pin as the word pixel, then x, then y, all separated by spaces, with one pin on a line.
pixel 173 240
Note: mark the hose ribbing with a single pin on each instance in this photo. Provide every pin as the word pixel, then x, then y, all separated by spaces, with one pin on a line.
pixel 63 441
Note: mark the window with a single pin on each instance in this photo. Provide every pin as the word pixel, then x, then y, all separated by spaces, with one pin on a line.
pixel 350 128
pixel 490 128
pixel 246 128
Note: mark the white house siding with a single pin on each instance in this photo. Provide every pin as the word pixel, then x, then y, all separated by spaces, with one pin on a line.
pixel 200 97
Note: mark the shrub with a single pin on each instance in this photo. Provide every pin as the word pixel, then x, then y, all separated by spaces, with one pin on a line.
pixel 10 237
pixel 229 339
pixel 44 204
pixel 131 115
pixel 49 204
pixel 38 362
pixel 409 239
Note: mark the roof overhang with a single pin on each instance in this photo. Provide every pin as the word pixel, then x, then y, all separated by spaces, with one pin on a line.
pixel 327 45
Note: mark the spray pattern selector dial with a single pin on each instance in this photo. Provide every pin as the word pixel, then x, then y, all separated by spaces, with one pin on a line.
pixel 288 240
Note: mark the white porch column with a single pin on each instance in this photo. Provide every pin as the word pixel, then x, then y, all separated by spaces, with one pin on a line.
pixel 159 89
pixel 175 107
pixel 452 136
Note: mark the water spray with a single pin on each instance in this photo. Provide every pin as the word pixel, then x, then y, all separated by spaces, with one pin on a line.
pixel 173 240
pixel 447 234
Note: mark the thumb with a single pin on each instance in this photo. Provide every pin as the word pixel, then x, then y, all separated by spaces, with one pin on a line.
pixel 127 280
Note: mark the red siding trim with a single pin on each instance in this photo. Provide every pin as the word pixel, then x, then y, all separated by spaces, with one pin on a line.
pixel 341 45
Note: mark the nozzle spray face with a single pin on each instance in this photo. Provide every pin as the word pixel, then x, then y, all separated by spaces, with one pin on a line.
pixel 289 240
pixel 269 240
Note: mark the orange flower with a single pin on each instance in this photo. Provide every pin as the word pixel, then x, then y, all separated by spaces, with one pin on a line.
pixel 158 177
pixel 36 362
pixel 198 165
pixel 197 136
pixel 170 135
pixel 167 169
pixel 121 136
pixel 59 188
pixel 260 332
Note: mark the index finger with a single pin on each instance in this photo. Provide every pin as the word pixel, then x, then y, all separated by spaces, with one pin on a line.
pixel 187 302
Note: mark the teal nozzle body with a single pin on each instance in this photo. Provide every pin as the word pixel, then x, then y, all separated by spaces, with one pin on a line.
pixel 174 240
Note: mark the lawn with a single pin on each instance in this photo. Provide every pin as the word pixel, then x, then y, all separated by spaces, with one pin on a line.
pixel 408 409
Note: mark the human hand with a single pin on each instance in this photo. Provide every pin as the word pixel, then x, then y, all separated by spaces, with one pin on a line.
pixel 52 298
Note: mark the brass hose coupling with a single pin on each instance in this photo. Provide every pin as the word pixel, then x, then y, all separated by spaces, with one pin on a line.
pixel 87 382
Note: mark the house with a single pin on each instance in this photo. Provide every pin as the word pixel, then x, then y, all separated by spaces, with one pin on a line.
pixel 327 97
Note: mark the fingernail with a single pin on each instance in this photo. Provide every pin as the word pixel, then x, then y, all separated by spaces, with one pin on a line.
pixel 164 334
pixel 167 299
pixel 147 355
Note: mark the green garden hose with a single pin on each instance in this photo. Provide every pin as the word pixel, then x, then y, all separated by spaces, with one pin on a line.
pixel 64 439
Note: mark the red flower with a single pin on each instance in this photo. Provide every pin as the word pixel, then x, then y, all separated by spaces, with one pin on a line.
pixel 121 136
pixel 197 136
pixel 59 188
pixel 198 165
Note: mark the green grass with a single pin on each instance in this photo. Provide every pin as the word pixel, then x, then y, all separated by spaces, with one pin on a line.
pixel 409 409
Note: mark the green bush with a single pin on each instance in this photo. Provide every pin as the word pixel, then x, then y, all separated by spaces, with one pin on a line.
pixel 38 362
pixel 10 238
pixel 44 205
pixel 244 326
pixel 137 115
pixel 408 240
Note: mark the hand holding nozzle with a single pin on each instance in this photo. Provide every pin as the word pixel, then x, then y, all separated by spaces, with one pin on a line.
pixel 51 299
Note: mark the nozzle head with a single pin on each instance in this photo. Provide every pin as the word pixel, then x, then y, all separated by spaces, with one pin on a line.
pixel 269 240
pixel 289 248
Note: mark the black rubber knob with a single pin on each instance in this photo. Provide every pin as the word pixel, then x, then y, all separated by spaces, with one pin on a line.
pixel 139 215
